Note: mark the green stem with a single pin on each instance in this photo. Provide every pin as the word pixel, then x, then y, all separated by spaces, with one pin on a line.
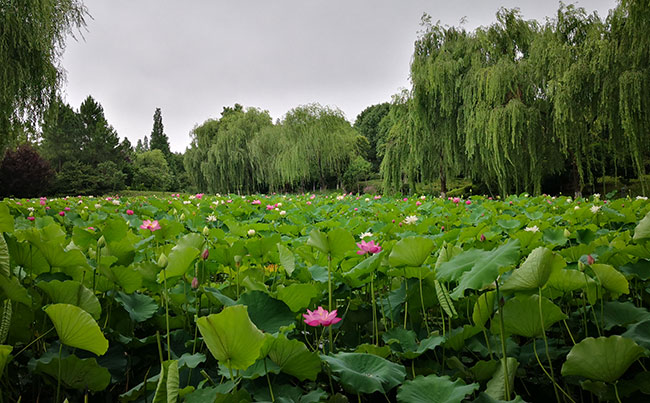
pixel 329 291
pixel 406 302
pixel 618 398
pixel 548 356
pixel 539 362
pixel 268 380
pixel 169 349
pixel 375 327
pixel 503 345
pixel 424 312
pixel 58 378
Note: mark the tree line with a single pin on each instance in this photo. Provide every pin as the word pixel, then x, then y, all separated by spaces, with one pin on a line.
pixel 526 106
pixel 519 105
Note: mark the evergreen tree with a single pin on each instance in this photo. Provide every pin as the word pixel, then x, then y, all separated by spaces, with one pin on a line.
pixel 159 140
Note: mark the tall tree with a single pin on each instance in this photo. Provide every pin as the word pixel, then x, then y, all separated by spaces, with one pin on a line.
pixel 32 40
pixel 100 141
pixel 159 140
pixel 367 124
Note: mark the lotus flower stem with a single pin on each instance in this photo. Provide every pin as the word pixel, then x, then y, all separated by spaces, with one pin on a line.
pixel 548 356
pixel 375 327
pixel 268 380
pixel 504 355
pixel 539 362
pixel 329 291
pixel 58 378
pixel 424 311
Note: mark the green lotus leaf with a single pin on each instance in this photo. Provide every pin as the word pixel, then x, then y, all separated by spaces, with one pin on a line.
pixel 616 313
pixel 76 373
pixel 293 357
pixel 534 272
pixel 267 313
pixel 4 257
pixel 496 387
pixel 453 269
pixel 486 269
pixel 411 251
pixel 11 288
pixel 640 333
pixel 6 219
pixel 76 328
pixel 484 308
pixel 434 389
pixel 610 278
pixel 360 273
pixel 521 315
pixel 73 293
pixel 567 280
pixel 139 306
pixel 603 359
pixel 5 351
pixel 231 337
pixel 287 259
pixel 167 388
pixel 365 373
pixel 298 296
pixel 642 230
pixel 181 256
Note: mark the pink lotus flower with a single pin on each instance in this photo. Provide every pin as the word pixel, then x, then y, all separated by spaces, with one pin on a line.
pixel 590 260
pixel 320 317
pixel 195 283
pixel 66 208
pixel 42 202
pixel 256 202
pixel 368 247
pixel 129 212
pixel 61 213
pixel 308 203
pixel 150 225
pixel 270 206
pixel 418 203
pixel 91 228
pixel 30 218
pixel 468 202
pixel 199 195
pixel 456 200
pixel 205 254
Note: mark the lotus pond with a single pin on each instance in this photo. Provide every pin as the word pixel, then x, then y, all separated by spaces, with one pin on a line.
pixel 310 298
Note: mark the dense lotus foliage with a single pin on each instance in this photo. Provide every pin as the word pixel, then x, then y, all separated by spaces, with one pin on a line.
pixel 308 298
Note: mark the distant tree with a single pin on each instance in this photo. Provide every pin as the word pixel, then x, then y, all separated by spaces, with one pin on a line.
pixel 32 40
pixel 358 170
pixel 139 147
pixel 145 144
pixel 62 134
pixel 24 173
pixel 100 141
pixel 159 140
pixel 367 124
pixel 151 171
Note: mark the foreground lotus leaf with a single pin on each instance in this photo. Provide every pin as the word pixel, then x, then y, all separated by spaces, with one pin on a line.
pixel 602 359
pixel 434 389
pixel 76 328
pixel 365 373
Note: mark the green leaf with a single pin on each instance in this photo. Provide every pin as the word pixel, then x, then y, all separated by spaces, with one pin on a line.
pixel 486 269
pixel 76 328
pixel 616 313
pixel 603 359
pixel 484 308
pixel 411 251
pixel 641 232
pixel 13 290
pixel 298 296
pixel 4 257
pixel 268 314
pixel 167 388
pixel 534 272
pixel 319 241
pixel 444 299
pixel 180 258
pixel 5 352
pixel 360 274
pixel 434 389
pixel 139 306
pixel 454 268
pixel 640 333
pixel 340 241
pixel 231 337
pixel 567 280
pixel 6 219
pixel 365 373
pixel 496 387
pixel 521 315
pixel 76 373
pixel 73 293
pixel 293 358
pixel 287 259
pixel 610 278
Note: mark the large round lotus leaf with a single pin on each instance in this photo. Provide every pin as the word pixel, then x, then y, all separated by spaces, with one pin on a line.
pixel 642 230
pixel 267 313
pixel 534 272
pixel 231 337
pixel 293 357
pixel 602 359
pixel 298 296
pixel 412 251
pixel 139 306
pixel 434 389
pixel 76 373
pixel 521 315
pixel 76 328
pixel 365 373
pixel 337 242
pixel 74 293
pixel 610 278
pixel 640 333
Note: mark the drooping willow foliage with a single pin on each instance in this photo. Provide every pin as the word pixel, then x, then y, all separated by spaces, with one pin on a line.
pixel 519 104
pixel 244 151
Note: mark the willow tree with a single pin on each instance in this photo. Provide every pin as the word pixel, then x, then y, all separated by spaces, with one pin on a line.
pixel 319 140
pixel 628 54
pixel 229 165
pixel 32 40
pixel 265 150
pixel 398 167
pixel 506 139
pixel 195 159
pixel 440 62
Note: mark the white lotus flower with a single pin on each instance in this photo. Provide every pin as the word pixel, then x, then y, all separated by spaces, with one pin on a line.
pixel 211 218
pixel 532 229
pixel 410 220
pixel 594 209
pixel 251 232
pixel 365 235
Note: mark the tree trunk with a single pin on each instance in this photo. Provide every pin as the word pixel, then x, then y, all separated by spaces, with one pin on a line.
pixel 443 177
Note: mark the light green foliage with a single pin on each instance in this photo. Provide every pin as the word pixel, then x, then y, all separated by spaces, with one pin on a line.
pixel 151 171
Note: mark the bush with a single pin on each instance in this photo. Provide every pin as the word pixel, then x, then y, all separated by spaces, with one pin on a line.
pixel 24 173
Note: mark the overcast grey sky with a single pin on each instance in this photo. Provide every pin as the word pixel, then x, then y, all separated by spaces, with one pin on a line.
pixel 192 58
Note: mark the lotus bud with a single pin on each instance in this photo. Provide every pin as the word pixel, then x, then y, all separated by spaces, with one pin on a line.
pixel 482 238
pixel 195 282
pixel 590 260
pixel 101 242
pixel 581 266
pixel 205 254
pixel 567 233
pixel 162 260
pixel 182 218
pixel 251 232
pixel 206 231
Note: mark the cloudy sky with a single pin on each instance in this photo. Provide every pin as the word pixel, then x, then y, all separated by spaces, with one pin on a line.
pixel 192 58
